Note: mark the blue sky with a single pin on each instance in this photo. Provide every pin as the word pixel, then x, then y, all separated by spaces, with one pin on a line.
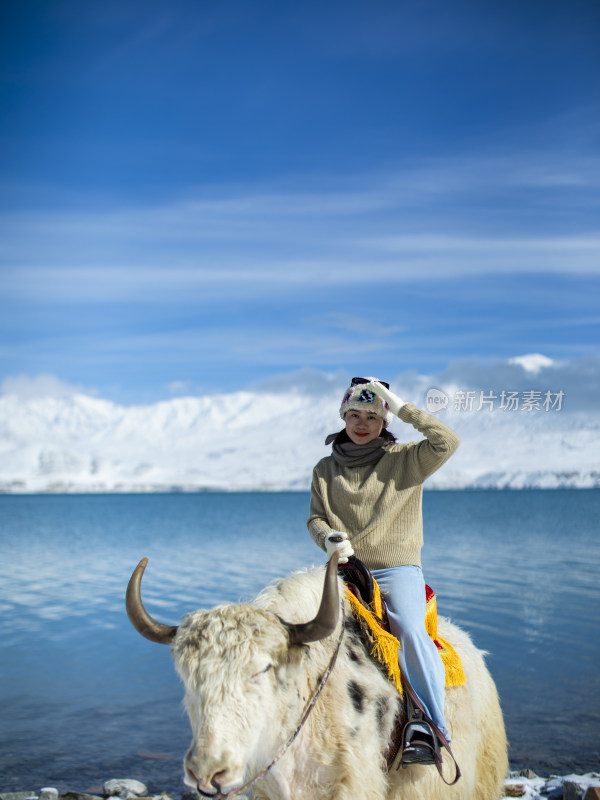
pixel 197 196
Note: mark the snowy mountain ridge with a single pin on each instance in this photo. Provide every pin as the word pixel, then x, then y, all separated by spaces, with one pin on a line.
pixel 267 439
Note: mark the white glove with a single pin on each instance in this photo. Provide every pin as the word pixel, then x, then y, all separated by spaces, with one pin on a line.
pixel 343 546
pixel 393 401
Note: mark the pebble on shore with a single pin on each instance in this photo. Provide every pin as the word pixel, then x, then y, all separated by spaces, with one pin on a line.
pixel 529 786
pixel 525 784
pixel 120 789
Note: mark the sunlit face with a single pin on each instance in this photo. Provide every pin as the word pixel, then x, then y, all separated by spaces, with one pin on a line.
pixel 363 426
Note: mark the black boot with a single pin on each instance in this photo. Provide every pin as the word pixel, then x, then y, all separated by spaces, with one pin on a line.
pixel 420 745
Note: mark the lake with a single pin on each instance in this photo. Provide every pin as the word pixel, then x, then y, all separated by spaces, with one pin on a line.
pixel 84 698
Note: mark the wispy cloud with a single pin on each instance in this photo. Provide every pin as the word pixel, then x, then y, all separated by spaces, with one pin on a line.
pixel 196 204
pixel 356 325
pixel 452 220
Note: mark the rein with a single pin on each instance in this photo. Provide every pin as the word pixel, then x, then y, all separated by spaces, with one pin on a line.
pixel 305 716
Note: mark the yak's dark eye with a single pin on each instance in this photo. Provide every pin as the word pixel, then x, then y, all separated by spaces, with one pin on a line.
pixel 261 671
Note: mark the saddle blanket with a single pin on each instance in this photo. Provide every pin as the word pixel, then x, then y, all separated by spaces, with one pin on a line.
pixel 385 645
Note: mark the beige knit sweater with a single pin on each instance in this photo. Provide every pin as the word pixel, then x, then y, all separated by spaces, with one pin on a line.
pixel 380 505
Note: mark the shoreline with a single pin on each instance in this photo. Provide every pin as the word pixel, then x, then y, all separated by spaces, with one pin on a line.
pixel 522 783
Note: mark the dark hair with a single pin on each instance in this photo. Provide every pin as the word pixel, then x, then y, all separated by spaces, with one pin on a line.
pixel 385 434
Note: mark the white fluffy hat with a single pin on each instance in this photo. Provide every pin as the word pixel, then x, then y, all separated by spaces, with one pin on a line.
pixel 361 399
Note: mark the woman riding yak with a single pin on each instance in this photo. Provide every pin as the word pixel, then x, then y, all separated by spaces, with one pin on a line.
pixel 366 499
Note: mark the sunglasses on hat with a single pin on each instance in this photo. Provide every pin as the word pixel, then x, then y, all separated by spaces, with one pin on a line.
pixel 358 381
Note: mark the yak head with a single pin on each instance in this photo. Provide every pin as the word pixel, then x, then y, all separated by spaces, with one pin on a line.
pixel 245 686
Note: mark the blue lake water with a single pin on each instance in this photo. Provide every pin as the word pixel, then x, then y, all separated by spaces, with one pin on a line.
pixel 84 698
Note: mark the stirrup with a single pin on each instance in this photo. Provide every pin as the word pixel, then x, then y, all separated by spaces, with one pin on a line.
pixel 419 747
pixel 420 744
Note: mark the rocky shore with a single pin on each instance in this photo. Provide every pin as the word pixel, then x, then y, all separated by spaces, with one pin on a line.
pixel 525 784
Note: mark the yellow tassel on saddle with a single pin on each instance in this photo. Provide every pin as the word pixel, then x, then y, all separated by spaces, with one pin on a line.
pixel 385 645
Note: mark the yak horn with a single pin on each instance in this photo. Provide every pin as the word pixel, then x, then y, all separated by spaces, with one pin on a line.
pixel 139 617
pixel 324 623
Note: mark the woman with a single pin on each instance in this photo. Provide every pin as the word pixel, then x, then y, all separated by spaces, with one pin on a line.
pixel 369 492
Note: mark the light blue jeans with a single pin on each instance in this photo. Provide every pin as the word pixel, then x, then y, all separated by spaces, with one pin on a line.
pixel 403 589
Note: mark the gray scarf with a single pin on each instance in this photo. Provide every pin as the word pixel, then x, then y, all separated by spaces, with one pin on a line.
pixel 348 454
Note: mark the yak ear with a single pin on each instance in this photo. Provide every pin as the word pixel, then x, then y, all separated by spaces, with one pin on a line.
pixel 324 623
pixel 139 617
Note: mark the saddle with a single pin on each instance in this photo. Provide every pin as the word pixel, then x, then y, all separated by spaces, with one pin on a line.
pixel 415 736
pixel 358 579
pixel 370 609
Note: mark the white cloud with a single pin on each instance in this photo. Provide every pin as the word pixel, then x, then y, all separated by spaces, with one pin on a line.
pixel 532 362
pixel 179 388
pixel 43 385
pixel 578 378
pixel 356 263
pixel 451 217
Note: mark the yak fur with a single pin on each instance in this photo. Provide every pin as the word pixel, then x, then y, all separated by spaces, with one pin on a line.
pixel 246 689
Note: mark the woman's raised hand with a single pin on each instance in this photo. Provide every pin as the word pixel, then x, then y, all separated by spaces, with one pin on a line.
pixel 394 402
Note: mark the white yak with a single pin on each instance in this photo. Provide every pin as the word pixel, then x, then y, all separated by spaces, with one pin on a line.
pixel 250 671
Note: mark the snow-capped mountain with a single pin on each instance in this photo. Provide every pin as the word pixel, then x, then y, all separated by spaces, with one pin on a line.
pixel 271 437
